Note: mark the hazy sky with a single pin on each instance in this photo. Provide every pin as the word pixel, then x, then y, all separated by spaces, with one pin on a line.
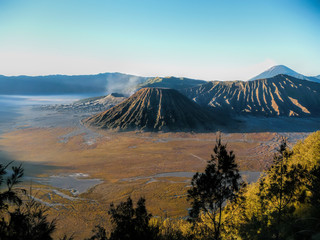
pixel 223 39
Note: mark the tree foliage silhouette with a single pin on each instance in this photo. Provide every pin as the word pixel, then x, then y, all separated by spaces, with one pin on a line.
pixel 10 195
pixel 21 220
pixel 99 233
pixel 130 222
pixel 210 190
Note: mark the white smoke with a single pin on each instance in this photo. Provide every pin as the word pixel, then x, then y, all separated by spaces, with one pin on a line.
pixel 123 84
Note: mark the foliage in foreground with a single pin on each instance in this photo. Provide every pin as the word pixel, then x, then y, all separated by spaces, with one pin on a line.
pixel 283 204
pixel 210 191
pixel 21 219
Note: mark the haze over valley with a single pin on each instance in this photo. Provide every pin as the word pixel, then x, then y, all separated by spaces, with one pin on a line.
pixel 159 120
pixel 164 127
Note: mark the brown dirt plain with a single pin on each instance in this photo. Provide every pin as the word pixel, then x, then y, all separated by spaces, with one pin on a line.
pixel 115 157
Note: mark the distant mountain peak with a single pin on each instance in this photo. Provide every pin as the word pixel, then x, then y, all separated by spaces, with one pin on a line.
pixel 279 69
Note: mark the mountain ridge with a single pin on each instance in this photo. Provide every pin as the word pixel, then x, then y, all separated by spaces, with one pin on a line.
pixel 154 109
pixel 104 83
pixel 281 95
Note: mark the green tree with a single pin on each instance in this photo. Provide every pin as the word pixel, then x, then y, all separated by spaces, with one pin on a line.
pixel 211 190
pixel 314 188
pixel 308 226
pixel 281 187
pixel 256 225
pixel 279 192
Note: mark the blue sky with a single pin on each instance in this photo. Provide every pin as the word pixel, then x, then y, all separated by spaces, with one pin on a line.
pixel 225 39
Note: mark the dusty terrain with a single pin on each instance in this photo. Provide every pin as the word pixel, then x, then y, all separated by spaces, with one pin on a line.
pixel 77 171
pixel 128 164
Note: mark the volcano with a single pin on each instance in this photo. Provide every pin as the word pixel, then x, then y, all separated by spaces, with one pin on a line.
pixel 155 109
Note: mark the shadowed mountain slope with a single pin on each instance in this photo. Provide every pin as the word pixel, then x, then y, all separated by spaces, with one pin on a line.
pixel 154 109
pixel 278 96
